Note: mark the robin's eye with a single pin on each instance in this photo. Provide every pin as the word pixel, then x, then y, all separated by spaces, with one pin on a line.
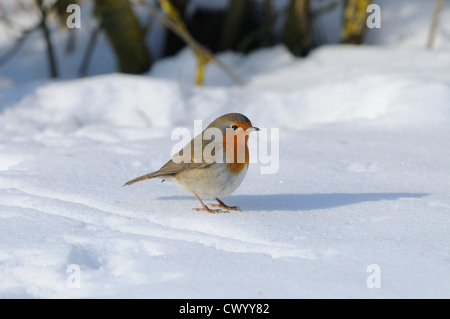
pixel 234 127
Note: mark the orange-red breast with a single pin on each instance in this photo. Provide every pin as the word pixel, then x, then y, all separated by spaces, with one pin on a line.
pixel 218 169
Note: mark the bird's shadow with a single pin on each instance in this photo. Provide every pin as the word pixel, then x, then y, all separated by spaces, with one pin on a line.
pixel 271 202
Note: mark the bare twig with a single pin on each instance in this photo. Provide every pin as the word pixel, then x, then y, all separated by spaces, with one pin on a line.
pixel 434 23
pixel 82 71
pixel 194 44
pixel 50 50
pixel 17 45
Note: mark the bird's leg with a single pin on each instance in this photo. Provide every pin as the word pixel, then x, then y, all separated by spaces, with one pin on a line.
pixel 206 208
pixel 223 205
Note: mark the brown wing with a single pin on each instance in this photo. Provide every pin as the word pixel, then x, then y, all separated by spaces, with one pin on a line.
pixel 172 168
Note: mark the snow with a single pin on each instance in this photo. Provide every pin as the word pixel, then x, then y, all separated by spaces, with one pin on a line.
pixel 362 177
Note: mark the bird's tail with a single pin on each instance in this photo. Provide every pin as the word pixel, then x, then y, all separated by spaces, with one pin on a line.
pixel 140 179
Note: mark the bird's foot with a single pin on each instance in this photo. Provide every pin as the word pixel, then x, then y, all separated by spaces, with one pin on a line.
pixel 209 210
pixel 223 205
pixel 226 207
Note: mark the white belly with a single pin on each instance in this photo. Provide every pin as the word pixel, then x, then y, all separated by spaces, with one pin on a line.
pixel 208 183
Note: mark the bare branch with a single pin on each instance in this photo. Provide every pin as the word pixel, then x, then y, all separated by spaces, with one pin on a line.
pixel 50 50
pixel 434 23
pixel 194 44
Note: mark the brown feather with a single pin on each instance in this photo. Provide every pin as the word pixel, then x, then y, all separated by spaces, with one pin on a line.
pixel 172 168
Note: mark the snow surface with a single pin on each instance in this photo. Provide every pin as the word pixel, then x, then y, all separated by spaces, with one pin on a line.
pixel 363 179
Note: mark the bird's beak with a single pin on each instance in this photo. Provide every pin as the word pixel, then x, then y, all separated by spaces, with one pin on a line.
pixel 252 128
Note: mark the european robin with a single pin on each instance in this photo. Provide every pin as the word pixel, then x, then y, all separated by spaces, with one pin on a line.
pixel 215 170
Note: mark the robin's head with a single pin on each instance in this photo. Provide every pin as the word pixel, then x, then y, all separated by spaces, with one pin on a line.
pixel 235 128
pixel 237 122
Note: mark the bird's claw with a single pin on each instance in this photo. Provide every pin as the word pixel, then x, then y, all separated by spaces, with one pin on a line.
pixel 226 207
pixel 209 210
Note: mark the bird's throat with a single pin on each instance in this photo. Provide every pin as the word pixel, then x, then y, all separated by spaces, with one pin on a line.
pixel 236 150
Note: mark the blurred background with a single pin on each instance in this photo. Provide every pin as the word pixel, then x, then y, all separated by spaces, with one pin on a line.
pixel 41 39
pixel 358 101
